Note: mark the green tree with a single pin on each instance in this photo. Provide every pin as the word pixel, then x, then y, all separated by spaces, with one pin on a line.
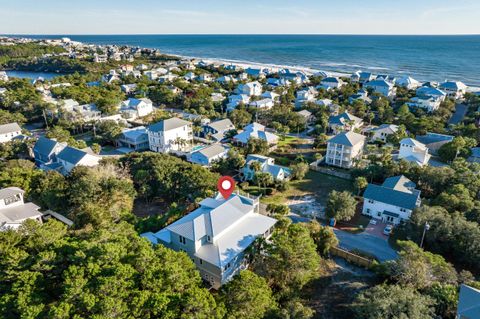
pixel 392 301
pixel 460 146
pixel 247 296
pixel 323 236
pixel 256 146
pixel 299 170
pixel 341 205
pixel 240 117
pixel 360 183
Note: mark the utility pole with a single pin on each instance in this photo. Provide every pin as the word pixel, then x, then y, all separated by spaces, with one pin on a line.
pixel 425 228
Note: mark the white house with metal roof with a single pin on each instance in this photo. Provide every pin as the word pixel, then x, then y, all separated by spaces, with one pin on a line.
pixel 413 151
pixel 209 154
pixel 217 129
pixel 169 135
pixel 393 201
pixel 428 91
pixel 408 83
pixel 454 89
pixel 135 139
pixel 382 87
pixel 14 211
pixel 135 108
pixel 433 141
pixel 9 131
pixel 250 89
pixel 344 148
pixel 216 235
pixel 381 132
pixel 255 130
pixel 330 83
pixel 71 157
pixel 267 165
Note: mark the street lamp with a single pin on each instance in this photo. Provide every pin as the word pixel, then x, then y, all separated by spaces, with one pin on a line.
pixel 425 228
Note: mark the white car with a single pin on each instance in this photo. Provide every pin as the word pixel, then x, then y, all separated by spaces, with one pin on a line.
pixel 388 230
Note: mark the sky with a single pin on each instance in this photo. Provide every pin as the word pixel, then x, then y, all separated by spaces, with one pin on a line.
pixel 239 17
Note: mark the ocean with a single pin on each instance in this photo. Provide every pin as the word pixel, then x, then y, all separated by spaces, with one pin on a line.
pixel 426 58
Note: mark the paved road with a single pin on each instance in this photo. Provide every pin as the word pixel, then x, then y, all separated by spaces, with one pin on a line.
pixel 371 244
pixel 460 111
pixel 367 243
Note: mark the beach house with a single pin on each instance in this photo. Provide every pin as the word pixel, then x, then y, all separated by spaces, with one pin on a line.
pixel 428 91
pixel 70 157
pixel 14 211
pixel 237 99
pixel 266 165
pixel 454 89
pixel 264 104
pixel 428 103
pixel 134 139
pixel 250 89
pixel 217 130
pixel 382 132
pixel 344 122
pixel 9 131
pixel 344 149
pixel 208 155
pixel 217 235
pixel 393 201
pixel 331 83
pixel 408 83
pixel 413 151
pixel 382 87
pixel 169 135
pixel 304 96
pixel 255 130
pixel 134 108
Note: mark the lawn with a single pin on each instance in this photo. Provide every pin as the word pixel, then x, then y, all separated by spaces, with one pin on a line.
pixel 315 184
pixel 287 140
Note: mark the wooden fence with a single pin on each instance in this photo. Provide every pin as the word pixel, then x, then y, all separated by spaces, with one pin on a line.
pixel 351 257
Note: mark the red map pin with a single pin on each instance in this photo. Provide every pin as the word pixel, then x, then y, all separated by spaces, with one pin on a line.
pixel 225 186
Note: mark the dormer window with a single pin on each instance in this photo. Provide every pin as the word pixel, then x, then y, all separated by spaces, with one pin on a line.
pixel 12 199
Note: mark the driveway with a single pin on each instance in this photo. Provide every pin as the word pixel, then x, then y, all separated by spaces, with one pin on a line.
pixel 460 111
pixel 368 243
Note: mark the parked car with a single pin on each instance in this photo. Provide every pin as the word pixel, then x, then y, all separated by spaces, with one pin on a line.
pixel 388 230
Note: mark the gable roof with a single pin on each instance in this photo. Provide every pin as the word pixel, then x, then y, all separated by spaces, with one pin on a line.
pixel 212 150
pixel 168 124
pixel 412 142
pixel 9 128
pixel 380 82
pixel 10 191
pixel 342 119
pixel 430 138
pixel 45 146
pixel 71 155
pixel 221 125
pixel 347 138
pixel 468 303
pixel 397 191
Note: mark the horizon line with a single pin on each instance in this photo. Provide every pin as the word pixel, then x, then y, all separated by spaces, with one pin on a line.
pixel 243 34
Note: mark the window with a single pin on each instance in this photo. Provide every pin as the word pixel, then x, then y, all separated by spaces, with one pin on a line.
pixel 403 210
pixel 208 238
pixel 371 201
pixel 12 199
pixel 200 261
pixel 182 240
pixel 379 214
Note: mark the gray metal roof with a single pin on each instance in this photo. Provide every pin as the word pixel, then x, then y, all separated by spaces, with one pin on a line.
pixel 347 138
pixel 71 155
pixel 468 303
pixel 19 213
pixel 397 191
pixel 10 128
pixel 221 125
pixel 10 191
pixel 212 150
pixel 168 124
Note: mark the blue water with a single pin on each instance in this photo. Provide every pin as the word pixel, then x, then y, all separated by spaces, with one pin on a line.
pixel 433 58
pixel 32 75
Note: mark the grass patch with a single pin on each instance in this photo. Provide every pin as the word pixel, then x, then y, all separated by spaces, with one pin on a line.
pixel 287 140
pixel 314 183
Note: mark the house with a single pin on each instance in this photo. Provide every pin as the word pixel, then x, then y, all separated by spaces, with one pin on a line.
pixel 167 78
pixel 255 130
pixel 70 157
pixel 324 102
pixel 382 87
pixel 128 88
pixel 225 79
pixel 9 131
pixel 250 89
pixel 453 89
pixel 135 108
pixel 173 134
pixel 361 95
pixel 235 100
pixel 389 78
pixel 393 201
pixel 265 104
pixel 111 77
pixel 428 103
pixel 344 122
pixel 46 150
pixel 217 129
pixel 362 77
pixel 205 77
pixel 382 132
pixel 330 83
pixel 468 303
pixel 3 91
pixel 14 211
pixel 408 83
pixel 304 96
pixel 433 141
pixel 278 82
pixel 256 72
pixel 412 150
pixel 207 155
pixel 344 148
pixel 190 76
pixel 135 139
pixel 267 165
pixel 217 235
pixel 68 105
pixel 427 91
pixel 3 76
pixel 307 115
pixel 271 95
pixel 475 156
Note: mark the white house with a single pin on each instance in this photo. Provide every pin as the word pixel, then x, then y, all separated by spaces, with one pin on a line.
pixel 413 151
pixel 135 108
pixel 9 131
pixel 427 92
pixel 128 88
pixel 428 103
pixel 344 122
pixel 250 89
pixel 271 95
pixel 324 102
pixel 14 211
pixel 225 79
pixel 265 104
pixel 71 157
pixel 433 141
pixel 382 87
pixel 235 100
pixel 267 165
pixel 3 76
pixel 208 155
pixel 382 132
pixel 217 129
pixel 135 139
pixel 255 130
pixel 304 96
pixel 330 83
pixel 362 77
pixel 343 149
pixel 393 201
pixel 454 89
pixel 408 83
pixel 217 235
pixel 169 135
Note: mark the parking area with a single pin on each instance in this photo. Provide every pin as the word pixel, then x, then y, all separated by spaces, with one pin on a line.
pixel 376 229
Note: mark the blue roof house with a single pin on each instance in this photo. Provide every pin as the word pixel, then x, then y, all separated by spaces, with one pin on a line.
pixel 393 201
pixel 267 165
